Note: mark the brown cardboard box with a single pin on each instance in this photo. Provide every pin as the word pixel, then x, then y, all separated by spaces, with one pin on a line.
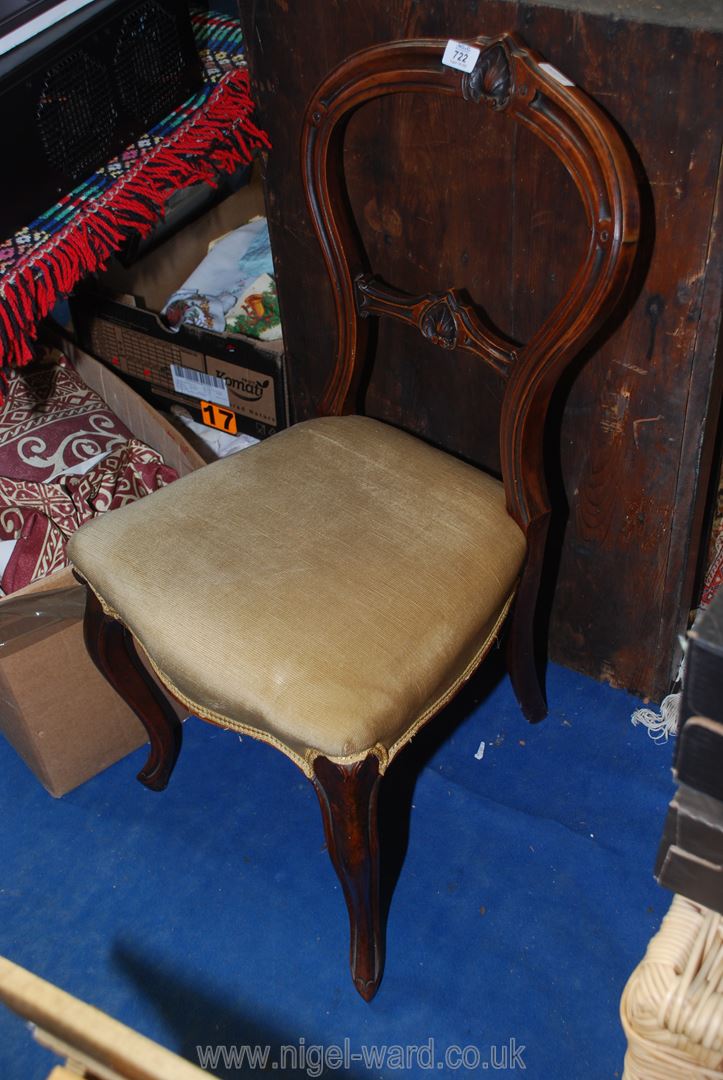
pixel 58 712
pixel 117 320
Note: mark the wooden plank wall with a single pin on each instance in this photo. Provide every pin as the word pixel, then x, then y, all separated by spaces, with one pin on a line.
pixel 427 183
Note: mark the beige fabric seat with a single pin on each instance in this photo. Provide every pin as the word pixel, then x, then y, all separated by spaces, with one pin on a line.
pixel 326 590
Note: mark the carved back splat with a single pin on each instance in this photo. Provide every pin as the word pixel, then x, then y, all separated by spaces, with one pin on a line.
pixel 444 319
pixel 512 79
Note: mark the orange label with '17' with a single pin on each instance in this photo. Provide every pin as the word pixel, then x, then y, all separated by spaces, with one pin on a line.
pixel 218 417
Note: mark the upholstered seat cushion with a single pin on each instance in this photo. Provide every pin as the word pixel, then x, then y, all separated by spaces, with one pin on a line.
pixel 326 589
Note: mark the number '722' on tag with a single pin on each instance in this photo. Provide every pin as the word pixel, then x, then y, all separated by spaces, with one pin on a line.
pixel 460 56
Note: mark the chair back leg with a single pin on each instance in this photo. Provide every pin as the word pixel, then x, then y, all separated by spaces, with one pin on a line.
pixel 520 650
pixel 111 648
pixel 348 797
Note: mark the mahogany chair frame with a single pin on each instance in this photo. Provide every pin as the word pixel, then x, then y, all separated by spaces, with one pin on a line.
pixel 511 79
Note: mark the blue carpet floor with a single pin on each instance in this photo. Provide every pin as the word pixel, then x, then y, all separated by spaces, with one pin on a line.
pixel 209 915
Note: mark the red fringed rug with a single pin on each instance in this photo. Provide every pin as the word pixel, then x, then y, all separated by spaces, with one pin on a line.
pixel 210 134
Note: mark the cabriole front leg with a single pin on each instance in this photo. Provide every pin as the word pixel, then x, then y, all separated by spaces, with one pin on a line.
pixel 111 648
pixel 348 797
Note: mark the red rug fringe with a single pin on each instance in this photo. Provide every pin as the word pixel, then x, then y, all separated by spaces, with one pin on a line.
pixel 217 140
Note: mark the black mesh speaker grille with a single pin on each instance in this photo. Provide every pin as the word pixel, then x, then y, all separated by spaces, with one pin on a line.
pixel 76 115
pixel 149 61
pixel 86 89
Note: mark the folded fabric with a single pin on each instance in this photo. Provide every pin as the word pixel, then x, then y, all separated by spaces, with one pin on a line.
pixel 51 422
pixel 42 516
pixel 233 290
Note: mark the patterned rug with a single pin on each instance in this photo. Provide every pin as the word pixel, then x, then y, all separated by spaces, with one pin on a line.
pixel 51 423
pixel 64 457
pixel 210 134
pixel 40 518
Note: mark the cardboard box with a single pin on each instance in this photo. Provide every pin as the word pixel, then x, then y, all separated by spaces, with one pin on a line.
pixel 56 709
pixel 116 319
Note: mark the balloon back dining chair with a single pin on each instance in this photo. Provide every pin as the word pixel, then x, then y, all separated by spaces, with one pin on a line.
pixel 330 589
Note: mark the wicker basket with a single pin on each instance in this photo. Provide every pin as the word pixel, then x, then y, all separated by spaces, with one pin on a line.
pixel 672 1006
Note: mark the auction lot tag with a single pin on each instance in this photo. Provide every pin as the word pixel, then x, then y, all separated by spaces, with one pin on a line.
pixel 218 417
pixel 460 56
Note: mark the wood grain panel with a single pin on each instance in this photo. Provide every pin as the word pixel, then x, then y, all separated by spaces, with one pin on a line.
pixel 639 420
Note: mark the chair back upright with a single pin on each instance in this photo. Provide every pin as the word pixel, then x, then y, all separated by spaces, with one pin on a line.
pixel 513 80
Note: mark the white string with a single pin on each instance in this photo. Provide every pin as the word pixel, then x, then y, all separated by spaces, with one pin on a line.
pixel 663 724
